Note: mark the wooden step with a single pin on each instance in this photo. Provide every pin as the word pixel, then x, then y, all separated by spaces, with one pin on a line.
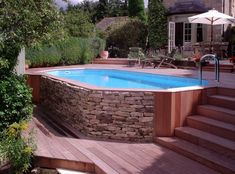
pixel 216 127
pixel 207 157
pixel 223 68
pixel 207 140
pixel 226 91
pixel 218 113
pixel 113 61
pixel 222 101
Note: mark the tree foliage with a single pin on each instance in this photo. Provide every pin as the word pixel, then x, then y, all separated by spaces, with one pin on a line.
pixel 136 9
pixel 129 34
pixel 157 23
pixel 102 9
pixel 15 101
pixel 23 23
pixel 78 23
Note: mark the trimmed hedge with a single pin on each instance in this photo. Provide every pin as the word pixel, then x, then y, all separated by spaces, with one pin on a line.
pixel 68 52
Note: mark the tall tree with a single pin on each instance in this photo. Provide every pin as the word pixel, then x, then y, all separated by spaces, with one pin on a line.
pixel 136 9
pixel 157 22
pixel 117 8
pixel 102 9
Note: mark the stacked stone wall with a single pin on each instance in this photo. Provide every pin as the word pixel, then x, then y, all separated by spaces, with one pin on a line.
pixel 118 115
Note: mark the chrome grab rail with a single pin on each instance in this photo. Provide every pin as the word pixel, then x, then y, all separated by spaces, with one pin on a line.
pixel 217 70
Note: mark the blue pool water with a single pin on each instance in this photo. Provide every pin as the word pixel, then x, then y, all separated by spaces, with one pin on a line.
pixel 110 78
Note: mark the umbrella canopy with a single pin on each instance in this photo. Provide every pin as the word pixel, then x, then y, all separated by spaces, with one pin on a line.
pixel 212 17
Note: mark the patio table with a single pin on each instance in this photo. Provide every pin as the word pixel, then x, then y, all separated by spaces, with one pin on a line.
pixel 218 48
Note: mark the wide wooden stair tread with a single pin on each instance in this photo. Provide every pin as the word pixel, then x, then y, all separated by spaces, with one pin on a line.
pixel 226 91
pixel 204 139
pixel 51 153
pixel 213 126
pixel 198 153
pixel 218 113
pixel 222 101
pixel 223 68
pixel 224 97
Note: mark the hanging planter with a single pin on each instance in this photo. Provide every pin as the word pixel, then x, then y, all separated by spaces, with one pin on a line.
pixel 104 54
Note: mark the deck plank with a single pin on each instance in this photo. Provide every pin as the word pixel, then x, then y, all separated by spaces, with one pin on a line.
pixel 101 166
pixel 110 158
pixel 175 161
pixel 75 151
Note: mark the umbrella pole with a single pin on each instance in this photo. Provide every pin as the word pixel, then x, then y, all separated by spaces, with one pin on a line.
pixel 211 47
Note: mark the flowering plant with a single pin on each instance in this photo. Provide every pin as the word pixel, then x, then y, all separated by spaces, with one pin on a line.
pixel 232 59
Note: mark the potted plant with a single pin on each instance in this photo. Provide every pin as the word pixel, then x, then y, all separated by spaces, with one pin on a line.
pixel 27 64
pixel 104 54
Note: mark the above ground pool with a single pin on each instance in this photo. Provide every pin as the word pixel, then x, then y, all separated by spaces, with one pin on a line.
pixel 111 78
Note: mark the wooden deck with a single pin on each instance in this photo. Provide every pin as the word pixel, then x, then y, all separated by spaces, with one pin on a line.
pixel 57 151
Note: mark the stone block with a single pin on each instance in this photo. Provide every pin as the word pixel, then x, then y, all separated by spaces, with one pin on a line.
pixel 146 119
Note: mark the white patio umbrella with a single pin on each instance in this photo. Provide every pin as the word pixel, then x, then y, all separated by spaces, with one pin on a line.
pixel 212 17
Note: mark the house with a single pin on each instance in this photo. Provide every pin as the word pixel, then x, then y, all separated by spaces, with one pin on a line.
pixel 108 21
pixel 183 33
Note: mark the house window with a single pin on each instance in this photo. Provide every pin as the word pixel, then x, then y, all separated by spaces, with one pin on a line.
pixel 187 32
pixel 199 33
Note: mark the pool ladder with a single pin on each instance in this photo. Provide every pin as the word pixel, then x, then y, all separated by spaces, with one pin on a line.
pixel 209 57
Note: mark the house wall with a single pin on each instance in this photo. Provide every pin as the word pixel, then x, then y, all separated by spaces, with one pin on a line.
pixel 229 9
pixel 217 4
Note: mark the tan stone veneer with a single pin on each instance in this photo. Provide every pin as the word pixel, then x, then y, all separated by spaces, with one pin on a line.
pixel 119 115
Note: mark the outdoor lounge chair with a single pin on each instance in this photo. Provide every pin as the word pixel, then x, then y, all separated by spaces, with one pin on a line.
pixel 135 56
pixel 166 60
pixel 150 58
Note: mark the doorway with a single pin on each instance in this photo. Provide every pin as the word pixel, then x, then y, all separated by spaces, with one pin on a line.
pixel 179 29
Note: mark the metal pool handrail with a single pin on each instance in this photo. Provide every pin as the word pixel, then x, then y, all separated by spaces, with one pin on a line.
pixel 217 70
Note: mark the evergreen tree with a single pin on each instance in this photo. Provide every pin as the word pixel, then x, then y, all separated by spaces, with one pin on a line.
pixel 102 9
pixel 117 8
pixel 136 9
pixel 157 22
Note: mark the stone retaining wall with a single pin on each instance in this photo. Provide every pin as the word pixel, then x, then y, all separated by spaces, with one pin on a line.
pixel 96 113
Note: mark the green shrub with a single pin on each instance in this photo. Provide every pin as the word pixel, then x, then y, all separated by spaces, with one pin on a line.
pixel 45 55
pixel 70 51
pixel 86 52
pixel 97 45
pixel 15 101
pixel 131 34
pixel 16 149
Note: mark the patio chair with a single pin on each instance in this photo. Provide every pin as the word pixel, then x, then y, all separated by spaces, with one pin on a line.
pixel 135 56
pixel 150 57
pixel 166 60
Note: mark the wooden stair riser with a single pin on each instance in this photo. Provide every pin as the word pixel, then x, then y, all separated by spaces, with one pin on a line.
pixel 52 163
pixel 205 143
pixel 217 115
pixel 196 156
pixel 216 130
pixel 226 92
pixel 221 102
